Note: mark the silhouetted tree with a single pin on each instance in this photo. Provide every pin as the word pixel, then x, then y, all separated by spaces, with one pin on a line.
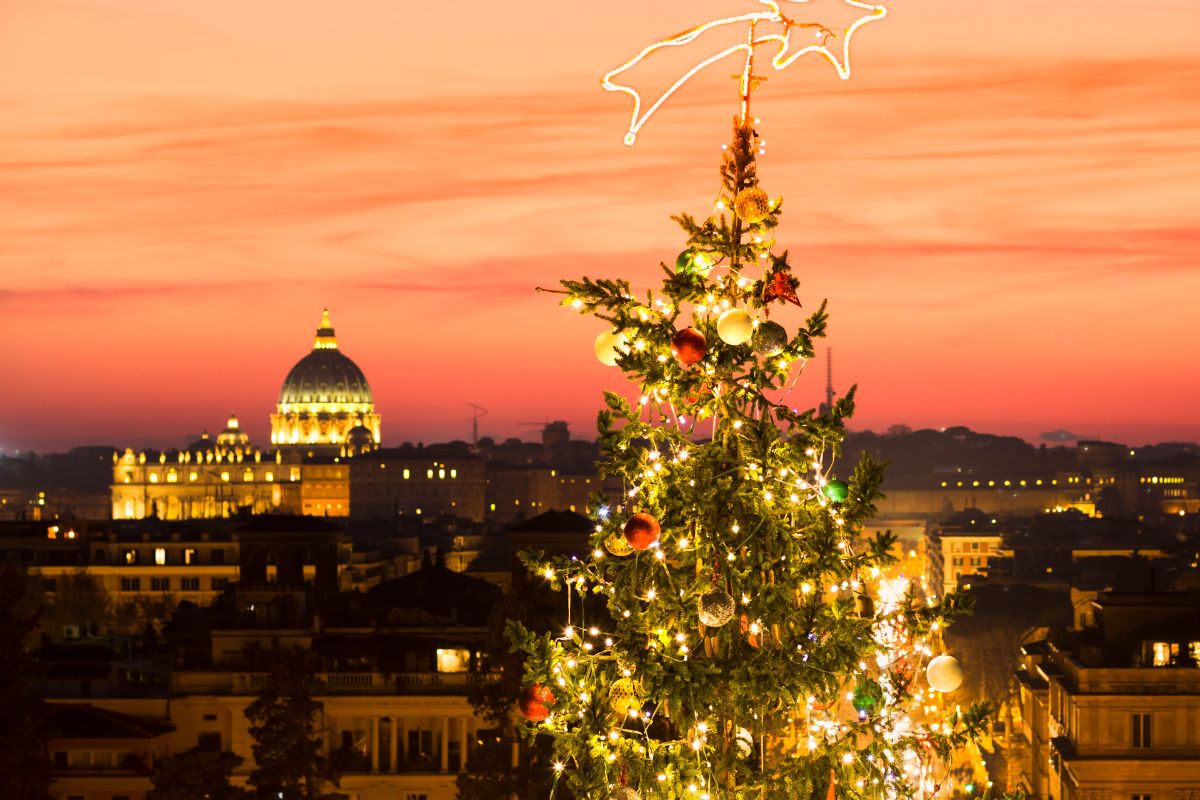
pixel 197 775
pixel 283 721
pixel 24 766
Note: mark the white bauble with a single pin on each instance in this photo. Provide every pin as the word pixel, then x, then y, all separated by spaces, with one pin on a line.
pixel 944 673
pixel 609 345
pixel 735 326
pixel 744 742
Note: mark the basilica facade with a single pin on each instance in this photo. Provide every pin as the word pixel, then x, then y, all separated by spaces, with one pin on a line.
pixel 325 415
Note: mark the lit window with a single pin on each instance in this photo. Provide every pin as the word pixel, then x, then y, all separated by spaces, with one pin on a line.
pixel 130 556
pixel 225 476
pixel 295 474
pixel 453 660
pixel 248 475
pixel 269 476
pixel 192 476
pixel 1165 653
pixel 189 555
pixel 453 473
pixel 172 476
pixel 407 474
pixel 442 474
pixel 160 555
pixel 429 474
pixel 153 476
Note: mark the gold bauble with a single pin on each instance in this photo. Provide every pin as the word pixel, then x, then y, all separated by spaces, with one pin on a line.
pixel 752 204
pixel 622 697
pixel 618 545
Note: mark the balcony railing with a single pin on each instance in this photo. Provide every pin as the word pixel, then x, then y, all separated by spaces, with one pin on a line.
pixel 350 683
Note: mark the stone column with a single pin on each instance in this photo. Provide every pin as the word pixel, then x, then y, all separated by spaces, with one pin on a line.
pixel 404 738
pixel 462 744
pixel 393 765
pixel 374 744
pixel 445 754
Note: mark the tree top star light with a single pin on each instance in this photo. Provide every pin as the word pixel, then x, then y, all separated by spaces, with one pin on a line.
pixel 771 28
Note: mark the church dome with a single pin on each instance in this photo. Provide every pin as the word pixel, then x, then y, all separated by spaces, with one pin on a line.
pixel 324 377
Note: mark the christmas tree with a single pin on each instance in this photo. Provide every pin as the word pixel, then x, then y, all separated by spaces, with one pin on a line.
pixel 731 634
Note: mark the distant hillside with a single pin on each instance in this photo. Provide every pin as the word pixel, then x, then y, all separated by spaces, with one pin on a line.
pixel 926 452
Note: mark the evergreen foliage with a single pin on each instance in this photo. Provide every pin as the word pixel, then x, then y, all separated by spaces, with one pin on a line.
pixel 660 704
pixel 24 765
pixel 284 723
pixel 197 775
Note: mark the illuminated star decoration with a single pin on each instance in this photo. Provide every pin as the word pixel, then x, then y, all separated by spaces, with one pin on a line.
pixel 781 60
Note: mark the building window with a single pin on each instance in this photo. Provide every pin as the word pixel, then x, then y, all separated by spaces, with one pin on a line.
pixel 248 476
pixel 172 476
pixel 189 584
pixel 218 584
pixel 416 796
pixel 1166 653
pixel 209 741
pixel 407 474
pixel 131 584
pixel 454 659
pixel 189 556
pixel 1142 731
pixel 956 561
pixel 217 556
pixel 160 584
pixel 1139 797
pixel 974 547
pixel 160 555
pixel 153 476
pixel 130 556
pixel 269 476
pixel 192 476
pixel 429 474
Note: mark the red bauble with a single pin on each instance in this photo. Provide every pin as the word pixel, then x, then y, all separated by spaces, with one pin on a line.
pixel 688 346
pixel 641 531
pixel 533 703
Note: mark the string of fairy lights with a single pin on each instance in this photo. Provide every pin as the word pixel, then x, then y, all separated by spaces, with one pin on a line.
pixel 593 685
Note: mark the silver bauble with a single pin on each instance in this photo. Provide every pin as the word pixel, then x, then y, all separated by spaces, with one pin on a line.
pixel 770 338
pixel 716 608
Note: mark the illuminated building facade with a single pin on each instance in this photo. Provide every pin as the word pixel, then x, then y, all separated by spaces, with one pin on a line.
pixel 325 405
pixel 325 416
pixel 960 546
pixel 206 480
pixel 1113 711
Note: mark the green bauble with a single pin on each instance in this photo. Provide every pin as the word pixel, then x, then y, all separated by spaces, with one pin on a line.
pixel 867 696
pixel 695 262
pixel 836 490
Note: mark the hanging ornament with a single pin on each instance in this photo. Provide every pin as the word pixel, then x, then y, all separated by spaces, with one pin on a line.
pixel 623 792
pixel 534 702
pixel 609 346
pixel 716 608
pixel 944 673
pixel 622 697
pixel 780 284
pixel 688 346
pixel 750 630
pixel 769 339
pixel 866 696
pixel 735 326
pixel 744 742
pixel 836 490
pixel 694 262
pixel 641 531
pixel 752 205
pixel 618 545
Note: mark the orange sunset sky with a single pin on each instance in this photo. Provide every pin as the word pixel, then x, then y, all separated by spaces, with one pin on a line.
pixel 1002 206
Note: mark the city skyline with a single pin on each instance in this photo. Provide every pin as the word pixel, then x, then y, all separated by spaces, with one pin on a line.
pixel 1004 219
